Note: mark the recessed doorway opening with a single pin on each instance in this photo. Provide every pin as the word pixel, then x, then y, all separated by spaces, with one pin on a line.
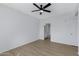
pixel 47 35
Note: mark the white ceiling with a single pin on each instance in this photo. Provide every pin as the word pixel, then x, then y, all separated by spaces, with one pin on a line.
pixel 56 8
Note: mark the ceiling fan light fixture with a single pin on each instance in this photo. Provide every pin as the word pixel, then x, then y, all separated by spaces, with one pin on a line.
pixel 41 11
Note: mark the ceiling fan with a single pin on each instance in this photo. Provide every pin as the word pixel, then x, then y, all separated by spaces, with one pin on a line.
pixel 42 8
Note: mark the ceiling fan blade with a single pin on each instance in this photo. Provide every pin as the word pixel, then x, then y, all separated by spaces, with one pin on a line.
pixel 36 5
pixel 47 11
pixel 35 10
pixel 47 5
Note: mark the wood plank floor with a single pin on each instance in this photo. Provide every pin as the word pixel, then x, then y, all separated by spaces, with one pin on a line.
pixel 43 48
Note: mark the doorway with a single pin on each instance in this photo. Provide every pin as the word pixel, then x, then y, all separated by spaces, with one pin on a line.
pixel 47 32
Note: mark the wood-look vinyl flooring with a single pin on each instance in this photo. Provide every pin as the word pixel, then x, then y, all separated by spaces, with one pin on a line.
pixel 43 48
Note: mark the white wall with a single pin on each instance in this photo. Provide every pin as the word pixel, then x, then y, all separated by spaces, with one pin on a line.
pixel 78 34
pixel 16 28
pixel 63 29
pixel 78 29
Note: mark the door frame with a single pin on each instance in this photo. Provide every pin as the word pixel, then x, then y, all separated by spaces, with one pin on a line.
pixel 49 31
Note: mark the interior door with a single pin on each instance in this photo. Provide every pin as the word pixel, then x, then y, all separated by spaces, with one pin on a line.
pixel 47 32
